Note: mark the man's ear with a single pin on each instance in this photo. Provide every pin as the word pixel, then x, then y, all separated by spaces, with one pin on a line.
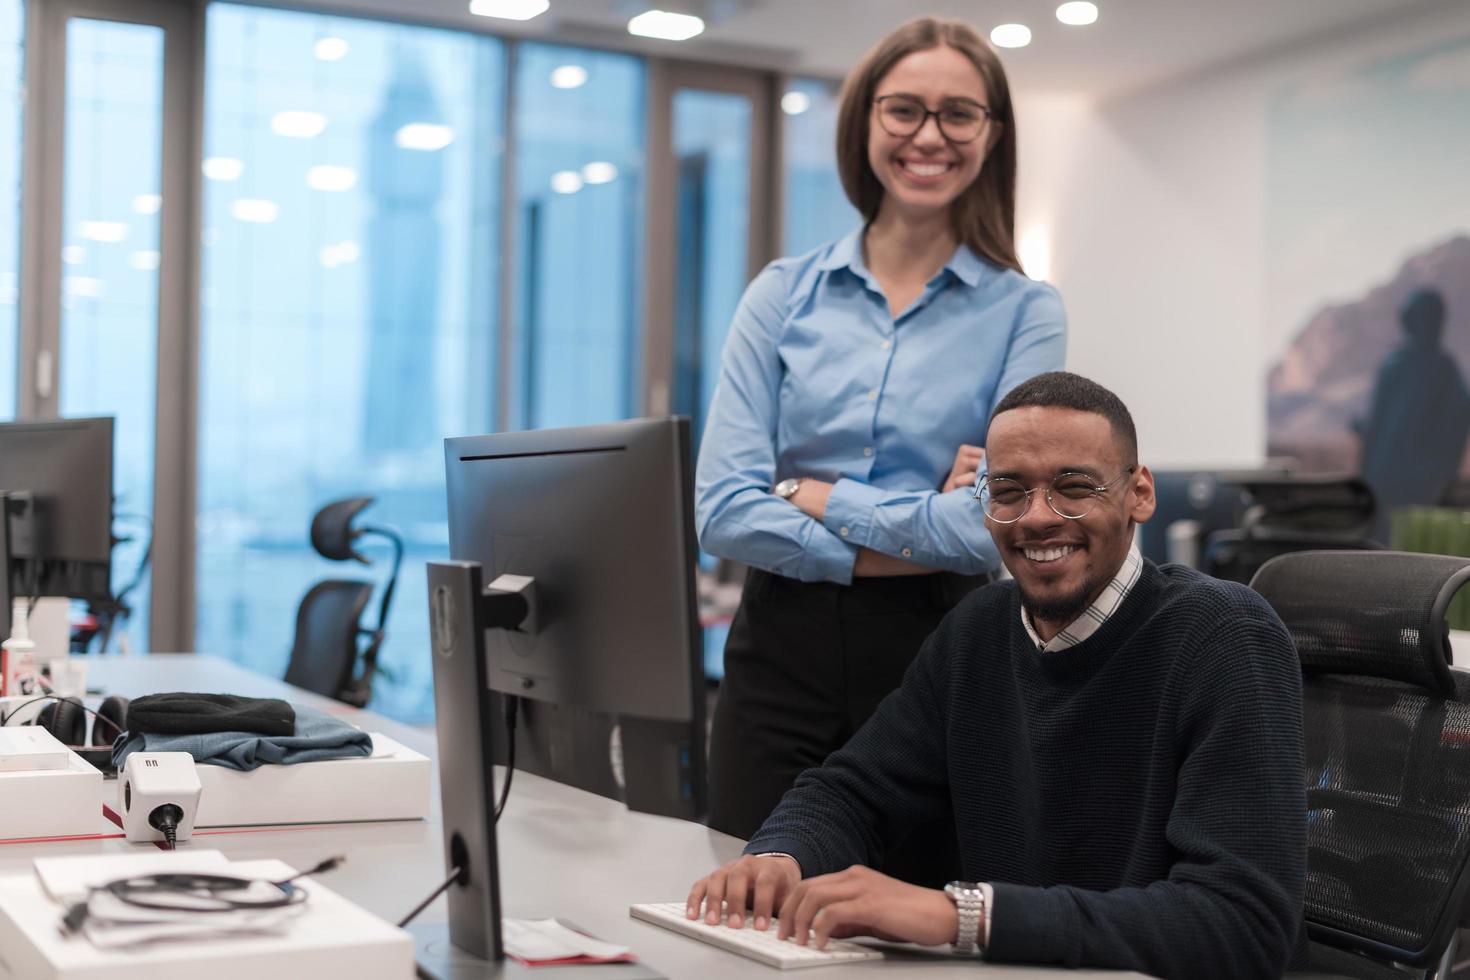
pixel 1141 500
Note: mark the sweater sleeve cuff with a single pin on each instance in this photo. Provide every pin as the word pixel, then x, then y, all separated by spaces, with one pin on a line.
pixel 1032 925
pixel 784 846
pixel 849 513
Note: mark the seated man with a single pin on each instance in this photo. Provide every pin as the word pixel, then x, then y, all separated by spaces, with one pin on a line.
pixel 1118 744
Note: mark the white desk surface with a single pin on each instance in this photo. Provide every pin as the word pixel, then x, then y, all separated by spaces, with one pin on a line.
pixel 563 852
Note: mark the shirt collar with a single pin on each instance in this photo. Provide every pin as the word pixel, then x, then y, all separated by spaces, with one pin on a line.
pixel 847 253
pixel 1095 615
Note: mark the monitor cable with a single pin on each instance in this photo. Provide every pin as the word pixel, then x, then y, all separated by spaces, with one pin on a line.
pixel 512 706
pixel 459 875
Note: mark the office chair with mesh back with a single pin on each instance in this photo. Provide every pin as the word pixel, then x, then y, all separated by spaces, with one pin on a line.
pixel 1387 737
pixel 1292 513
pixel 330 638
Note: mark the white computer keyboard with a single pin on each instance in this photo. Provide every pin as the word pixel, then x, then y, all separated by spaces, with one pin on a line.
pixel 761 946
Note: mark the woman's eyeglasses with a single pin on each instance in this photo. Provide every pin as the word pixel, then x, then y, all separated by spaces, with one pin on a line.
pixel 960 120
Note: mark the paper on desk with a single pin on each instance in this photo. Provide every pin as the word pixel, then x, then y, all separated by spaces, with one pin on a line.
pixel 114 924
pixel 69 878
pixel 540 940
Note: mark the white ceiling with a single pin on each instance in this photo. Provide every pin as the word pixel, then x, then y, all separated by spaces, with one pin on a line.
pixel 1135 44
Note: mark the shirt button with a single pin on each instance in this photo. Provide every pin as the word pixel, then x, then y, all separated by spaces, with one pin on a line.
pixel 867 450
pixel 907 552
pixel 873 395
pixel 887 344
pixel 842 531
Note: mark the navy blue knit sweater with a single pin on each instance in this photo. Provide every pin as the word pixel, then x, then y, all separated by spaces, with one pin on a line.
pixel 1137 800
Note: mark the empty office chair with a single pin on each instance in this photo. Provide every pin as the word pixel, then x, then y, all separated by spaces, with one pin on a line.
pixel 330 638
pixel 1292 513
pixel 1387 737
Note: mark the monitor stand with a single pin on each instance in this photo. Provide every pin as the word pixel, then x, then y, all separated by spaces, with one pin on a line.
pixel 440 959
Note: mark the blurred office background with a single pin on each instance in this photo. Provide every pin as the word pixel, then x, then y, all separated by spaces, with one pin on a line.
pixel 291 250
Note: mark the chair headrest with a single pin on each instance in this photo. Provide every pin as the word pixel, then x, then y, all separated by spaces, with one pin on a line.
pixel 331 528
pixel 1375 613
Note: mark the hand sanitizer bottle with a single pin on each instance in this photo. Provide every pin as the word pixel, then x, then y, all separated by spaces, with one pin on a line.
pixel 18 655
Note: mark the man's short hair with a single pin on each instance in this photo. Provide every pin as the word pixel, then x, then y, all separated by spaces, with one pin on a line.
pixel 1063 389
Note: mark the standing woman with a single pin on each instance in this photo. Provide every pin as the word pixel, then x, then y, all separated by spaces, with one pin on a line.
pixel 844 435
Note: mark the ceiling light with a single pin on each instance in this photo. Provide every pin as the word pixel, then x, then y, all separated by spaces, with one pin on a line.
pixel 145 261
pixel 223 168
pixel 255 210
pixel 330 49
pixel 795 103
pixel 103 231
pixel 510 9
pixel 1011 36
pixel 599 172
pixel 73 254
pixel 424 136
pixel 1078 13
pixel 566 182
pixel 298 124
pixel 329 178
pixel 568 76
pixel 147 203
pixel 666 25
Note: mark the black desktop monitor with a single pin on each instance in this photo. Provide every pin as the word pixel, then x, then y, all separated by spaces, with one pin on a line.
pixel 604 662
pixel 56 491
pixel 601 517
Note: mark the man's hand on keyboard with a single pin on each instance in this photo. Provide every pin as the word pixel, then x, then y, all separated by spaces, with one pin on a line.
pixel 761 883
pixel 864 902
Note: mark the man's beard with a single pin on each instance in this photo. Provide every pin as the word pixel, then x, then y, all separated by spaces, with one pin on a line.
pixel 1061 609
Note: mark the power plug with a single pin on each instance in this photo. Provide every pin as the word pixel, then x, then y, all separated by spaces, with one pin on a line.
pixel 158 795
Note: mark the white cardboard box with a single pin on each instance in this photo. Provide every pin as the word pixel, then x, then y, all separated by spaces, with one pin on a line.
pixel 332 938
pixel 52 802
pixel 391 784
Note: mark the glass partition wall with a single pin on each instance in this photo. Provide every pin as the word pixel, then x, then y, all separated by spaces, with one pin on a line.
pixel 291 252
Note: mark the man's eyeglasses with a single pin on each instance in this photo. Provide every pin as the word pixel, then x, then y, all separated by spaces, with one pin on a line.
pixel 1070 495
pixel 960 120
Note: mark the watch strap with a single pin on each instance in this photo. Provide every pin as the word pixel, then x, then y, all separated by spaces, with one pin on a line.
pixel 969 902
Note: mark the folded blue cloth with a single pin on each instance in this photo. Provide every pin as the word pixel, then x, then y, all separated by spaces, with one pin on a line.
pixel 318 736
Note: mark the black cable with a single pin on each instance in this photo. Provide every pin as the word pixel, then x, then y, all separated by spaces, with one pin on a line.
pixel 328 865
pixel 512 705
pixel 165 819
pixel 454 876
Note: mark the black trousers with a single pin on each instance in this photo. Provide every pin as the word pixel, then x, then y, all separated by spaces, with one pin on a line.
pixel 806 663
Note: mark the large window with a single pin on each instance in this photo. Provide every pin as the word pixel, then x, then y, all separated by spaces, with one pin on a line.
pixel 816 209
pixel 349 310
pixel 110 262
pixel 12 61
pixel 579 198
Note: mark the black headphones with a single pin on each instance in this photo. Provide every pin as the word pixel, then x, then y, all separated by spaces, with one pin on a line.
pixel 66 718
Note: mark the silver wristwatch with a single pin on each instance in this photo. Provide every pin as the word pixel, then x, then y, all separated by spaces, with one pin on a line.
pixel 786 489
pixel 969 902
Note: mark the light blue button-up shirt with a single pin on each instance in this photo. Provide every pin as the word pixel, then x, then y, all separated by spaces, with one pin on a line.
pixel 819 380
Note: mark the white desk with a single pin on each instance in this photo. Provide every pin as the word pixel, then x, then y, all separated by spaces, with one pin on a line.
pixel 563 852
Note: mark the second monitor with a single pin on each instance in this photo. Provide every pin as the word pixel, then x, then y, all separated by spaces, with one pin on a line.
pixel 611 680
